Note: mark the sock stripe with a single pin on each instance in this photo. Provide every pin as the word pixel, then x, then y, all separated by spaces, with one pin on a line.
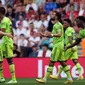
pixel 67 70
pixel 78 68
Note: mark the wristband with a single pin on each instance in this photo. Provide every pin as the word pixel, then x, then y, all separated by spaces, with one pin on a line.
pixel 52 35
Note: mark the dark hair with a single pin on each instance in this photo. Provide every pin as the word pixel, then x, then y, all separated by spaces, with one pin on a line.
pixel 0 1
pixel 58 15
pixel 2 10
pixel 46 45
pixel 22 35
pixel 69 21
pixel 82 18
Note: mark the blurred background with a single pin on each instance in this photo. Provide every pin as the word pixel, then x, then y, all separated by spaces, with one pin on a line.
pixel 32 16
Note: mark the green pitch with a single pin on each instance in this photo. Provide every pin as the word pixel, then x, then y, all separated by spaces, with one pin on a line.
pixel 50 82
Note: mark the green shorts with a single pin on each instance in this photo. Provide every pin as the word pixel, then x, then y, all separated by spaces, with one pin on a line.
pixel 7 50
pixel 58 53
pixel 69 54
pixel 1 54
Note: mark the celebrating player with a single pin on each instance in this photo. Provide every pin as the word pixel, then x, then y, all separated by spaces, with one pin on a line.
pixel 58 50
pixel 71 53
pixel 80 21
pixel 6 47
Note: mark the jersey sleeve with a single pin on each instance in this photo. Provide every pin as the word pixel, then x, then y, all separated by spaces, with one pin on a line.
pixel 81 34
pixel 70 33
pixel 3 25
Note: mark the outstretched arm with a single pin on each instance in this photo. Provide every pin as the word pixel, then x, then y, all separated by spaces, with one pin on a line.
pixel 78 40
pixel 48 34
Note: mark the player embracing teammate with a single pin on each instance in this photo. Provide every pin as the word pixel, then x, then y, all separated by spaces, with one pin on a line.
pixel 64 37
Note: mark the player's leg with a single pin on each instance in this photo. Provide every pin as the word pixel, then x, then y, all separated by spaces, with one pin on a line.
pixel 50 67
pixel 48 72
pixel 66 54
pixel 12 70
pixel 8 48
pixel 78 66
pixel 58 74
pixel 1 73
pixel 67 71
pixel 1 67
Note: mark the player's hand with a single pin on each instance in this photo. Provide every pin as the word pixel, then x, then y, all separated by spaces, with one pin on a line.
pixel 41 34
pixel 73 49
pixel 48 34
pixel 9 35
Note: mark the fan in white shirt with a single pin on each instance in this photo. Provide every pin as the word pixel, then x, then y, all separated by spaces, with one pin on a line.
pixel 31 4
pixel 22 41
pixel 43 21
pixel 34 39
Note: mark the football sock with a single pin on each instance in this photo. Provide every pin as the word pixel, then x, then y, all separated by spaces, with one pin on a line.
pixel 60 70
pixel 49 70
pixel 1 72
pixel 79 68
pixel 12 70
pixel 67 71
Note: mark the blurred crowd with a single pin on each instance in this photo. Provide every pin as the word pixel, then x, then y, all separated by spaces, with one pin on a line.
pixel 32 16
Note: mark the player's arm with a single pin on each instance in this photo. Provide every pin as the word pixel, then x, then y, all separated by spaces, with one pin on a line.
pixel 78 40
pixel 49 34
pixel 6 34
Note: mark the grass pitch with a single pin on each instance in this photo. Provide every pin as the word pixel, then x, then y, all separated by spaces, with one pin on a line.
pixel 49 82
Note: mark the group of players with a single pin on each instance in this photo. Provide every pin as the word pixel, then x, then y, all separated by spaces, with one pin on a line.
pixel 64 47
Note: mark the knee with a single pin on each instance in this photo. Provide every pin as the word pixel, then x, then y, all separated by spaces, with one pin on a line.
pixel 51 63
pixel 63 63
pixel 10 61
pixel 75 61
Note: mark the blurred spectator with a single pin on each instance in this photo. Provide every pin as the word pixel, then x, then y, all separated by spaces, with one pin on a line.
pixel 9 2
pixel 20 30
pixel 45 52
pixel 31 4
pixel 50 5
pixel 3 2
pixel 39 2
pixel 42 29
pixel 43 20
pixel 0 3
pixel 22 41
pixel 82 8
pixel 72 12
pixel 22 22
pixel 51 21
pixel 34 39
pixel 15 51
pixel 10 12
pixel 19 11
pixel 43 41
pixel 34 21
pixel 31 13
pixel 41 10
pixel 35 52
pixel 31 30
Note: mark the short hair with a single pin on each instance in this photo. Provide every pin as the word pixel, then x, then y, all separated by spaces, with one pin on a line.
pixel 58 15
pixel 22 35
pixel 82 18
pixel 0 1
pixel 2 10
pixel 69 21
